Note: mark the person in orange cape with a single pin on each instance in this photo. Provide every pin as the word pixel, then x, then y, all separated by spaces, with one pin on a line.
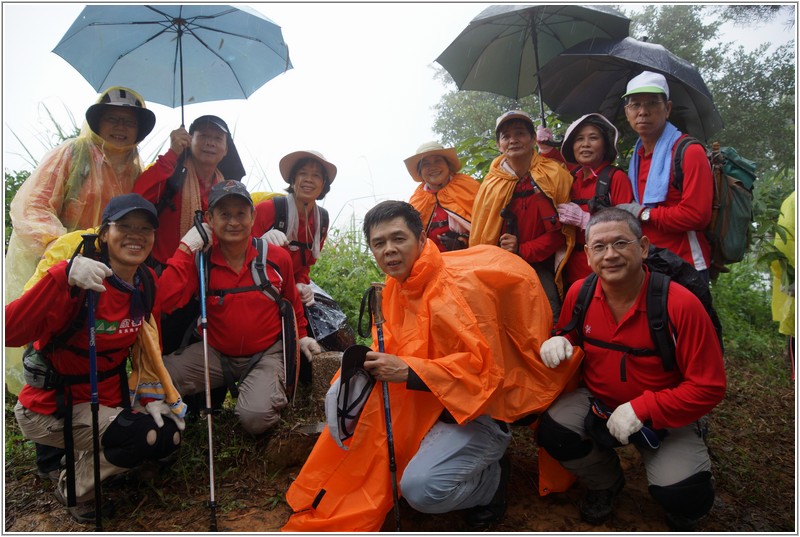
pixel 516 205
pixel 460 367
pixel 444 197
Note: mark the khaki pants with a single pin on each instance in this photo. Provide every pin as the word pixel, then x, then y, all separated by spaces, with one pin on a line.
pixel 262 393
pixel 49 430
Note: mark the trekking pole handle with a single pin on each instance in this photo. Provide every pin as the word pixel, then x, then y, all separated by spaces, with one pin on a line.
pixel 377 301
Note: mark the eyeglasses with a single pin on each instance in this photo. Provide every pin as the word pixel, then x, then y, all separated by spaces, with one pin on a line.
pixel 647 105
pixel 644 437
pixel 619 246
pixel 128 229
pixel 117 121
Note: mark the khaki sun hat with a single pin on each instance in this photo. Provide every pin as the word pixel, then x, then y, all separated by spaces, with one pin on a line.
pixel 287 163
pixel 429 149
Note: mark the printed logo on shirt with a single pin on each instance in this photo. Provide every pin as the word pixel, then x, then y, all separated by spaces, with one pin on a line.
pixel 587 329
pixel 126 326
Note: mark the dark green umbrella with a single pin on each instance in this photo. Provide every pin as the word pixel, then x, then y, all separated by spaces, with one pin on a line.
pixel 503 48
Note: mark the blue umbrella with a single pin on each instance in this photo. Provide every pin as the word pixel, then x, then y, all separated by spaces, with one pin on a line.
pixel 218 52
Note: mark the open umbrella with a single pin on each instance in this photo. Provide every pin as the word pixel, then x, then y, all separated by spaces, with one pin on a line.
pixel 217 52
pixel 592 77
pixel 503 48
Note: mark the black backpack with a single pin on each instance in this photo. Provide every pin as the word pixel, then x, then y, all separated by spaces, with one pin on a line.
pixel 601 198
pixel 665 266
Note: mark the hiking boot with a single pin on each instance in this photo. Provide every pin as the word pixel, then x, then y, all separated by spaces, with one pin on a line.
pixel 84 512
pixel 52 475
pixel 677 522
pixel 483 516
pixel 597 505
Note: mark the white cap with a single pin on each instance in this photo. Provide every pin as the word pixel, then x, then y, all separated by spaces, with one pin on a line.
pixel 647 82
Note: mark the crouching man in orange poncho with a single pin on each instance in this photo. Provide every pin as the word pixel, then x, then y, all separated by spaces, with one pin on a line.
pixel 462 333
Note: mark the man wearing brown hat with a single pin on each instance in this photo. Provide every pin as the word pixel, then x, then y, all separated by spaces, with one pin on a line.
pixel 515 207
pixel 245 344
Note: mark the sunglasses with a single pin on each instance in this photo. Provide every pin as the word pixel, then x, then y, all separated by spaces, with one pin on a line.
pixel 644 437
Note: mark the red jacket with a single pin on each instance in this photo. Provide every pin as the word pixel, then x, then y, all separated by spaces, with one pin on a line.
pixel 302 260
pixel 239 324
pixel 669 399
pixel 678 222
pixel 583 187
pixel 47 309
pixel 151 185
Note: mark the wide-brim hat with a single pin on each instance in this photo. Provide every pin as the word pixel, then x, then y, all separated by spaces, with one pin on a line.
pixel 119 206
pixel 512 114
pixel 429 149
pixel 287 163
pixel 610 132
pixel 225 189
pixel 119 97
pixel 230 166
pixel 647 82
pixel 355 385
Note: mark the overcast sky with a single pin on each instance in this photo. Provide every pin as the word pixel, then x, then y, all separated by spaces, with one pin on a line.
pixel 361 92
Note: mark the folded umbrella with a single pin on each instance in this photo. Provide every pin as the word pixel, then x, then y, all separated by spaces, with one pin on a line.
pixel 592 76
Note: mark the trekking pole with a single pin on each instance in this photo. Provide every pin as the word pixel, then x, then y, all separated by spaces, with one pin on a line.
pixel 88 251
pixel 377 289
pixel 212 504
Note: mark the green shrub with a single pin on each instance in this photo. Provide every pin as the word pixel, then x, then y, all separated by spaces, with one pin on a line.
pixel 345 271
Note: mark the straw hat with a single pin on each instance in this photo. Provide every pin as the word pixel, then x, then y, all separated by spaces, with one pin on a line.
pixel 429 149
pixel 287 163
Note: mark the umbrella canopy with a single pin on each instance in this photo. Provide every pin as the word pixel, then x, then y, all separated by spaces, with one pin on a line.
pixel 217 52
pixel 502 49
pixel 592 77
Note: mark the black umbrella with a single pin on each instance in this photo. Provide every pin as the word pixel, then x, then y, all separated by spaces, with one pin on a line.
pixel 592 77
pixel 502 49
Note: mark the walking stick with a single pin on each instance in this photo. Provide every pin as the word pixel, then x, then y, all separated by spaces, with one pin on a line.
pixel 88 251
pixel 377 290
pixel 212 504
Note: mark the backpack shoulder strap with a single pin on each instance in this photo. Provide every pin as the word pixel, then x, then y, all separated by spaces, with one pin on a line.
pixel 258 269
pixel 324 222
pixel 677 163
pixel 149 285
pixel 585 294
pixel 601 198
pixel 281 204
pixel 658 318
pixel 173 185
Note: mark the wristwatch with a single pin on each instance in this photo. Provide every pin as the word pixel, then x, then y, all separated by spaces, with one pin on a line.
pixel 645 216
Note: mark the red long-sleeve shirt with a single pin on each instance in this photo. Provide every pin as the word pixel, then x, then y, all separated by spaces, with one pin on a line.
pixel 151 185
pixel 667 398
pixel 538 229
pixel 239 324
pixel 678 222
pixel 47 309
pixel 302 260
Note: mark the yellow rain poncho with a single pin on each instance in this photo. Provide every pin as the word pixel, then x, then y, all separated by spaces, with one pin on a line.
pixel 782 297
pixel 469 323
pixel 67 191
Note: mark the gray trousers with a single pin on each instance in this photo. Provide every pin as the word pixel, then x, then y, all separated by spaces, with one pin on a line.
pixel 456 466
pixel 49 430
pixel 262 393
pixel 682 453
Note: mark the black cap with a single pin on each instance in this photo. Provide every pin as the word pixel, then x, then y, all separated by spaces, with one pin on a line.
pixel 119 206
pixel 213 120
pixel 228 188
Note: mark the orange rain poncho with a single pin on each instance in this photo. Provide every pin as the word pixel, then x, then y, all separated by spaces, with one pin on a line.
pixel 457 197
pixel 67 191
pixel 469 323
pixel 496 191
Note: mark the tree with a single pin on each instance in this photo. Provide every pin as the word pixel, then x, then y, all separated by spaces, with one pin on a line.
pixel 14 180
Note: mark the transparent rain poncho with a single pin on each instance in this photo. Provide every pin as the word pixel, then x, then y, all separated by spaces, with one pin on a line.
pixel 67 191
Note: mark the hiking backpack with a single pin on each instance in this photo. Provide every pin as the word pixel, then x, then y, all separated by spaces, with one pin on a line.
pixel 665 266
pixel 729 230
pixel 281 204
pixel 601 198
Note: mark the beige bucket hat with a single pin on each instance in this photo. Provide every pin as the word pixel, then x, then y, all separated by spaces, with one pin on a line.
pixel 429 149
pixel 287 163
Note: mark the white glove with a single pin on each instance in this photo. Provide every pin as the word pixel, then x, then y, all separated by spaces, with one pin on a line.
pixel 194 241
pixel 88 274
pixel 309 347
pixel 157 409
pixel 634 208
pixel 276 237
pixel 543 134
pixel 306 293
pixel 623 422
pixel 555 350
pixel 572 214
